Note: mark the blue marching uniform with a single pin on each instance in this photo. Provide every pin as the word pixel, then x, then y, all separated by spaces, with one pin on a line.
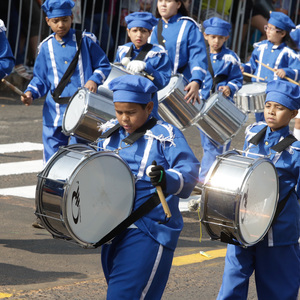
pixel 144 274
pixel 7 60
pixel 274 56
pixel 184 42
pixel 225 64
pixel 51 63
pixel 158 65
pixel 276 258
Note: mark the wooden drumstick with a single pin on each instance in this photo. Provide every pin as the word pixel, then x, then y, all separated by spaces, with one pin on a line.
pixel 161 196
pixel 250 75
pixel 14 88
pixel 285 77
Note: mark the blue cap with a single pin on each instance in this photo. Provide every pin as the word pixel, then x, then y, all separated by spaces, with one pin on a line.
pixel 216 26
pixel 284 93
pixel 141 19
pixel 132 88
pixel 58 8
pixel 281 21
pixel 295 35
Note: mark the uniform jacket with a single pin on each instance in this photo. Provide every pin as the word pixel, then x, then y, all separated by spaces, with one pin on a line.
pixel 224 63
pixel 167 145
pixel 276 57
pixel 52 62
pixel 185 45
pixel 7 60
pixel 157 62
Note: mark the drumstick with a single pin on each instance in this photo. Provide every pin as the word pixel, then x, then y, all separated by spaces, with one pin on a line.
pixel 161 196
pixel 14 88
pixel 250 75
pixel 126 61
pixel 285 77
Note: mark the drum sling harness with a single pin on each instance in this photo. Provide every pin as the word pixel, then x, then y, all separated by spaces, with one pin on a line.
pixel 68 74
pixel 146 207
pixel 283 144
pixel 219 78
pixel 142 54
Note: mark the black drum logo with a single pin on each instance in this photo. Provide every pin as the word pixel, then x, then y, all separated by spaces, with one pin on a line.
pixel 76 211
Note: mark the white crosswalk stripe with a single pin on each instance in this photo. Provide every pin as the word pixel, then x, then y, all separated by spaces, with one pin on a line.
pixel 18 168
pixel 32 166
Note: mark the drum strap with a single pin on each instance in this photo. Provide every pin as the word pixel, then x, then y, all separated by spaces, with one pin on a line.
pixel 146 207
pixel 216 80
pixel 133 137
pixel 287 141
pixel 160 37
pixel 141 56
pixel 68 74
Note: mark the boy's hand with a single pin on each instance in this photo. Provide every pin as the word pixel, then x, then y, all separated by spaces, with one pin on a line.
pixel 280 73
pixel 28 99
pixel 225 90
pixel 192 92
pixel 91 85
pixel 158 175
pixel 136 66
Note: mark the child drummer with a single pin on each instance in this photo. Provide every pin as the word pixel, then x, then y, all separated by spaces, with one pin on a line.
pixel 56 53
pixel 224 76
pixel 276 258
pixel 137 262
pixel 139 56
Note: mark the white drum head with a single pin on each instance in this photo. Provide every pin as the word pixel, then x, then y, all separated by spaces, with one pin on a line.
pixel 258 202
pixel 75 110
pixel 99 198
pixel 254 88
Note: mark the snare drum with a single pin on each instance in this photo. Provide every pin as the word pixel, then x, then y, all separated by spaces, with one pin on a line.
pixel 239 198
pixel 251 97
pixel 86 111
pixel 220 119
pixel 83 194
pixel 173 108
pixel 117 70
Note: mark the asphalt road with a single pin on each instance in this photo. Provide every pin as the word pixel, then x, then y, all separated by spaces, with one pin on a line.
pixel 33 265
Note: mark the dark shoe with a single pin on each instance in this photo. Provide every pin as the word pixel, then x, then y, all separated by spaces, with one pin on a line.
pixel 38 224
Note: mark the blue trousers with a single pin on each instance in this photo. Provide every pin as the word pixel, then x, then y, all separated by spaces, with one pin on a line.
pixel 210 151
pixel 53 138
pixel 277 272
pixel 135 266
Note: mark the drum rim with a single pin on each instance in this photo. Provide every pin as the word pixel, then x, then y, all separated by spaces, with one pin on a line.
pixel 41 179
pixel 180 78
pixel 256 162
pixel 70 132
pixel 240 93
pixel 73 175
pixel 235 222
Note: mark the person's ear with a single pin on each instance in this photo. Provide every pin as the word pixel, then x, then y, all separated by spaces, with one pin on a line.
pixel 149 107
pixel 294 113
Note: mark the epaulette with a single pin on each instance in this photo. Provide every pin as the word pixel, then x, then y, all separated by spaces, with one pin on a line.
pixel 191 19
pixel 89 35
pixel 2 26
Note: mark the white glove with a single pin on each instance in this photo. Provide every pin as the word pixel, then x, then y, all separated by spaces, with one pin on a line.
pixel 136 66
pixel 193 204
